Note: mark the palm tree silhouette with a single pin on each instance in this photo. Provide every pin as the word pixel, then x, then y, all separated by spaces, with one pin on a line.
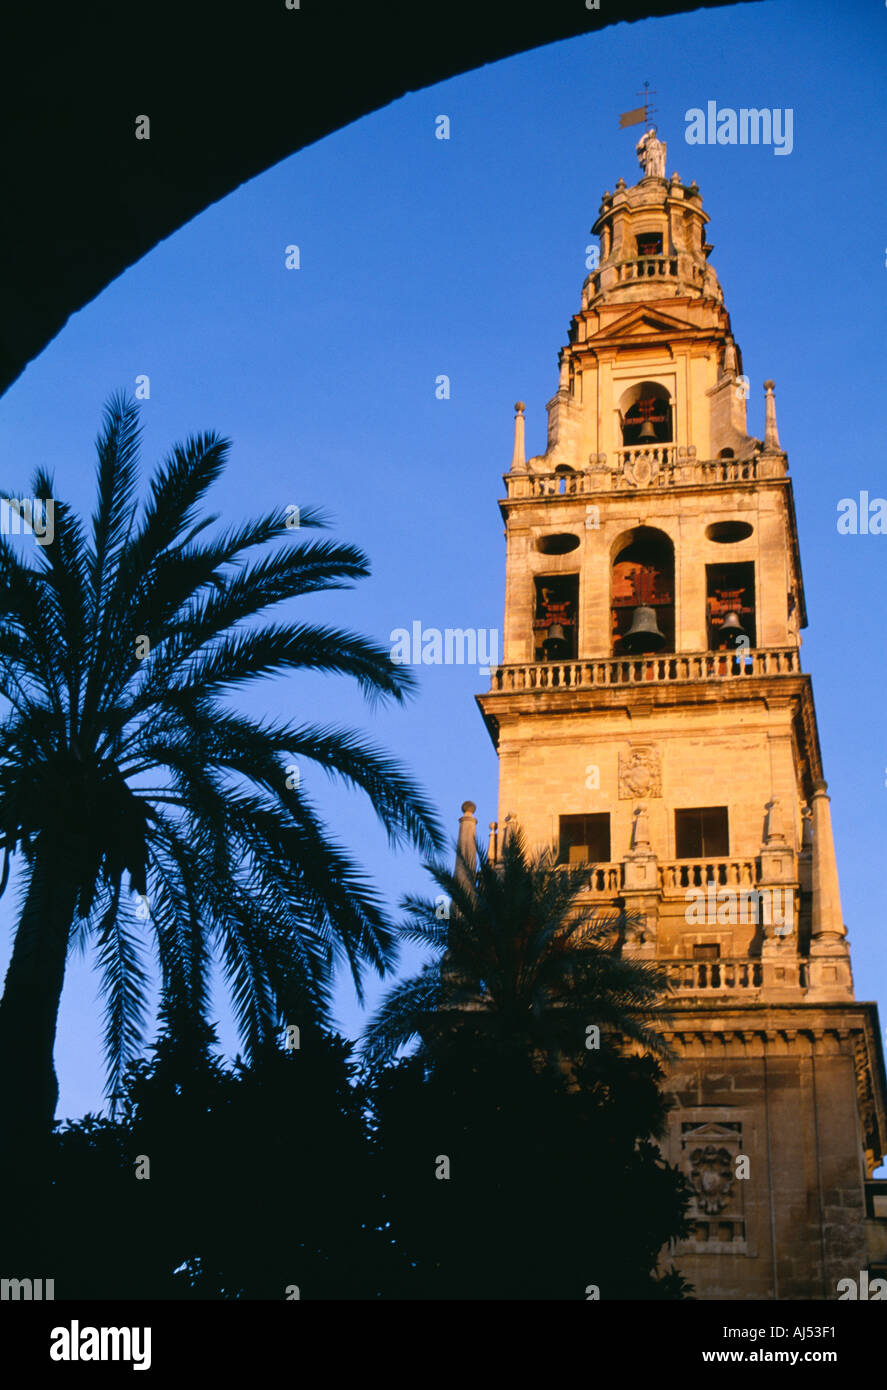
pixel 523 960
pixel 122 771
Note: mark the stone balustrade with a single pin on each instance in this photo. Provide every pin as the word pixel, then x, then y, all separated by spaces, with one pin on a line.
pixel 565 484
pixel 677 875
pixel 646 268
pixel 729 470
pixel 663 454
pixel 675 667
pixel 604 879
pixel 635 268
pixel 637 468
pixel 727 975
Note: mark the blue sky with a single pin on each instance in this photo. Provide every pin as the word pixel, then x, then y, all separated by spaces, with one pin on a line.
pixel 466 257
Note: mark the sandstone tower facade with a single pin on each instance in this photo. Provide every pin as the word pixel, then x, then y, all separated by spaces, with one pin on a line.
pixel 652 718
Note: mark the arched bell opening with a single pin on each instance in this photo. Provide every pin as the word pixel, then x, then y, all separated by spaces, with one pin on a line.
pixel 646 416
pixel 642 617
pixel 730 601
pixel 555 618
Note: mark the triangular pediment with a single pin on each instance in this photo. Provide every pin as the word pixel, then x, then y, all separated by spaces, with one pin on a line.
pixel 710 1133
pixel 640 322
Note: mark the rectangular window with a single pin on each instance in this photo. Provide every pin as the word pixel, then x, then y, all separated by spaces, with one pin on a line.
pixel 585 839
pixel 707 950
pixel 701 833
pixel 649 243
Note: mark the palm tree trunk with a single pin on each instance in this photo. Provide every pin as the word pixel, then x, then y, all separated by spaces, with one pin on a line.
pixel 28 1085
pixel 30 1004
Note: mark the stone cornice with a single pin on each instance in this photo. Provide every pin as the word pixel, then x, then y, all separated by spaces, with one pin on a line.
pixel 795 689
pixel 812 1030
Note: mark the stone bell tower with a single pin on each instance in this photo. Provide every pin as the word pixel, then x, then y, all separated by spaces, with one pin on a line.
pixel 652 718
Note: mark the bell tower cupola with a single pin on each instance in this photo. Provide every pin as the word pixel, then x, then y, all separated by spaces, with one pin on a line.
pixel 650 358
pixel 652 231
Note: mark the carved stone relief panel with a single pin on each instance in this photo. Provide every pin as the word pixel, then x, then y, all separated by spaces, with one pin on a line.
pixel 640 772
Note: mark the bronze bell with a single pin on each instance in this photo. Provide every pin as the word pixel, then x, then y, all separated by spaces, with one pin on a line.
pixel 555 644
pixel 648 431
pixel 644 634
pixel 731 628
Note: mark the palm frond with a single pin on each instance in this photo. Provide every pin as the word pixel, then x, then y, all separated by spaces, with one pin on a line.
pixel 398 1019
pixel 521 946
pixel 121 767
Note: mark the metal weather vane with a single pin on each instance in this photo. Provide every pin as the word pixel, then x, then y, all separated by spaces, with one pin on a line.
pixel 650 149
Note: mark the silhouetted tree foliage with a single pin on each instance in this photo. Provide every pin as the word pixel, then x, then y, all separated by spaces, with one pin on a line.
pixel 261 1180
pixel 521 952
pixel 293 1172
pixel 511 1179
pixel 519 1161
pixel 506 1159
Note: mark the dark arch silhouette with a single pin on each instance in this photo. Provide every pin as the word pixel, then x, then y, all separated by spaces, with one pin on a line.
pixel 231 87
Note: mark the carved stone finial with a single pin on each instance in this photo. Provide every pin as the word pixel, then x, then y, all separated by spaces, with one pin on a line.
pixel 518 457
pixel 828 924
pixel 466 844
pixel 771 434
pixel 494 841
pixel 806 828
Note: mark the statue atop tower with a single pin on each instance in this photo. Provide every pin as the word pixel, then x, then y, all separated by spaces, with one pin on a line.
pixel 650 151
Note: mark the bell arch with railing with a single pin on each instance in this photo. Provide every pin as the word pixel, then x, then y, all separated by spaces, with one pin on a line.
pixel 642 586
pixel 646 415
